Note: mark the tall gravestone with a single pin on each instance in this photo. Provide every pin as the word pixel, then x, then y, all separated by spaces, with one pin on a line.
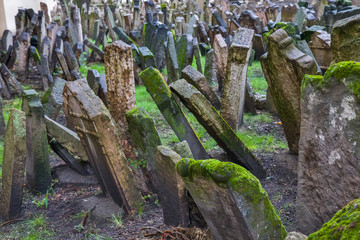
pixel 328 171
pixel 120 85
pixel 13 169
pixel 172 63
pixel 284 67
pixel 100 137
pixel 345 39
pixel 38 173
pixel 220 58
pixel 233 96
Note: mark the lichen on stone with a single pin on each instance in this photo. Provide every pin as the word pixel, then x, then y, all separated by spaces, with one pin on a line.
pixel 344 225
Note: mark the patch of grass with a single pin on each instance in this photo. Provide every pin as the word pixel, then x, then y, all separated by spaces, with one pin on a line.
pixel 35 228
pixel 257 142
pixel 100 67
pixel 257 78
pixel 9 104
pixel 117 220
pixel 255 119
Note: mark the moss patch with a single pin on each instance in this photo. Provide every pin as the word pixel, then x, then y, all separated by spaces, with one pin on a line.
pixel 344 225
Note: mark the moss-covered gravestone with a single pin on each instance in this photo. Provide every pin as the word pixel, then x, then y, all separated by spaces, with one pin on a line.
pixel 37 159
pixel 120 86
pixel 185 51
pixel 145 138
pixel 217 127
pixel 233 96
pixel 284 67
pixel 101 139
pixel 329 165
pixel 146 57
pixel 210 69
pixel 171 111
pixel 345 39
pixel 344 225
pixel 13 169
pixel 231 199
pixel 172 192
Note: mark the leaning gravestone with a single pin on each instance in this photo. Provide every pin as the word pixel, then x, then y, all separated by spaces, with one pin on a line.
pixel 328 172
pixel 13 169
pixel 172 112
pixel 52 99
pixel 101 139
pixel 198 80
pixel 345 40
pixel 233 96
pixel 120 85
pixel 172 192
pixel 232 200
pixel 172 64
pixel 38 173
pixel 284 67
pixel 217 127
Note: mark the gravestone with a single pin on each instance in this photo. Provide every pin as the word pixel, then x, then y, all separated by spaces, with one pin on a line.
pixel 345 40
pixel 233 96
pixel 38 173
pixel 288 12
pixel 120 85
pixel 145 138
pixel 220 58
pixel 172 64
pixel 249 20
pixel 147 58
pixel 93 79
pixel 67 138
pixel 171 111
pixel 158 47
pixel 13 169
pixel 328 153
pixel 52 100
pixel 6 40
pixel 319 44
pixel 11 80
pixel 94 48
pixel 284 67
pixel 183 149
pixel 6 92
pixel 71 59
pixel 232 200
pixel 210 68
pixel 185 51
pixel 217 127
pixel 63 64
pixel 101 139
pixel 22 59
pixel 172 192
pixel 198 80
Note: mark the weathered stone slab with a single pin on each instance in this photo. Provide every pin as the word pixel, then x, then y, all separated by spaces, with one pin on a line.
pixel 13 169
pixel 67 138
pixel 328 152
pixel 6 92
pixel 197 55
pixel 171 111
pixel 71 59
pixel 7 40
pixel 231 199
pixel 319 44
pixel 250 100
pixel 198 80
pixel 284 67
pixel 288 12
pixel 52 99
pixel 37 160
pixel 145 138
pixel 110 22
pixel 185 51
pixel 210 68
pixel 101 140
pixel 172 192
pixel 217 127
pixel 11 80
pixel 93 79
pixel 158 47
pixel 146 57
pixel 220 58
pixel 304 47
pixel 233 96
pixel 103 94
pixel 172 64
pixel 345 40
pixel 183 149
pixel 63 64
pixel 22 59
pixel 93 47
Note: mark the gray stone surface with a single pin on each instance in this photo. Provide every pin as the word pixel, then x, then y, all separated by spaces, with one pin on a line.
pixel 52 99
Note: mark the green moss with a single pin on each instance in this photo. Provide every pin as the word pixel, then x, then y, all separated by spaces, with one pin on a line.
pixel 289 28
pixel 314 80
pixel 182 166
pixel 344 225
